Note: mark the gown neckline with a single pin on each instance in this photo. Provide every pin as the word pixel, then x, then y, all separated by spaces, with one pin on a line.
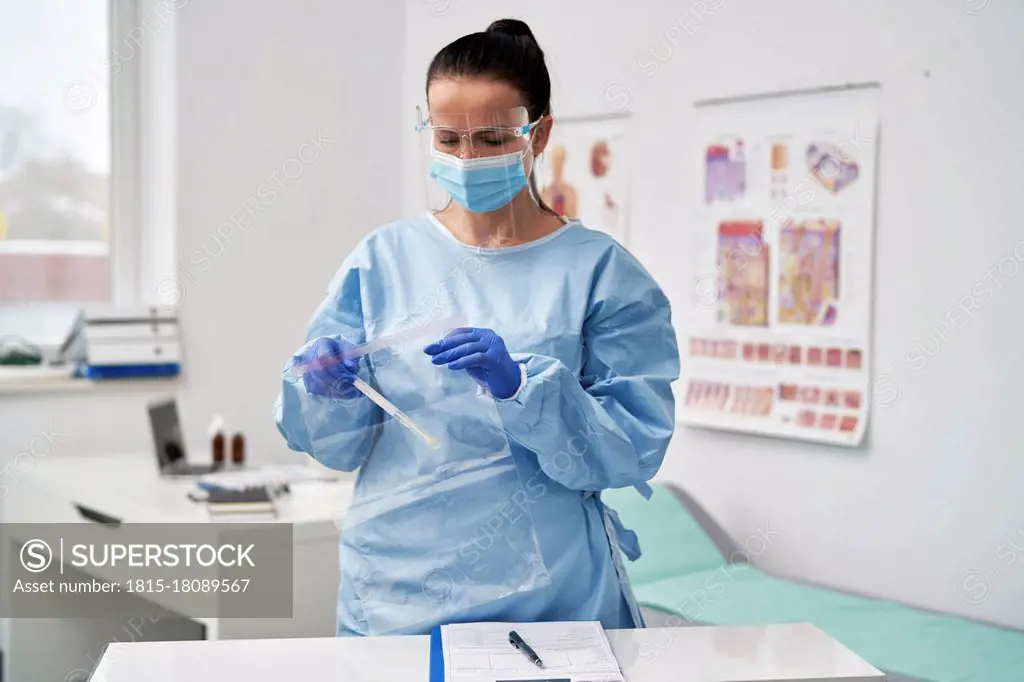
pixel 568 223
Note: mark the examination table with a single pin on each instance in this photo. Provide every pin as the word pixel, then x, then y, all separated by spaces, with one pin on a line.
pixel 685 576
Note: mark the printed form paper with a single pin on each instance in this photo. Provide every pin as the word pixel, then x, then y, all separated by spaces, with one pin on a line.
pixel 575 651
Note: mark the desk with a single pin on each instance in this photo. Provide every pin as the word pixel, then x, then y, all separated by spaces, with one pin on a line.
pixel 779 653
pixel 129 489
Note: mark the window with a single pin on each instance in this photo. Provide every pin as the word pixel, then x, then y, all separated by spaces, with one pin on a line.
pixel 58 134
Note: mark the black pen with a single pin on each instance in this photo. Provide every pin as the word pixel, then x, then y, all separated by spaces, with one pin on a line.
pixel 515 640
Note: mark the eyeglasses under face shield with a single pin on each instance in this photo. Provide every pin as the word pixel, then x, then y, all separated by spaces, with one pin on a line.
pixel 491 133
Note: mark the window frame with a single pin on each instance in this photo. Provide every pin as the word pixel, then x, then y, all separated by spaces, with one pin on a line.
pixel 125 248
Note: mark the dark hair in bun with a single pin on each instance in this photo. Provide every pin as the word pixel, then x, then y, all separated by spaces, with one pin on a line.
pixel 514 28
pixel 506 51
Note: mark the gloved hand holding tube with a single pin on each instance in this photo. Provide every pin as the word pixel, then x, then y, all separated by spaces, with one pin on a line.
pixel 325 372
pixel 329 368
pixel 482 353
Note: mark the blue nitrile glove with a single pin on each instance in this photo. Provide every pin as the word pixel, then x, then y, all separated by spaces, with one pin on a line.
pixel 482 353
pixel 329 376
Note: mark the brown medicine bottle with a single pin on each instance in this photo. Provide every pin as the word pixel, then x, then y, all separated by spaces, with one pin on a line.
pixel 238 449
pixel 218 448
pixel 218 443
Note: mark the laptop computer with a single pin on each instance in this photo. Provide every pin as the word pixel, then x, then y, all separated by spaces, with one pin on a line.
pixel 171 456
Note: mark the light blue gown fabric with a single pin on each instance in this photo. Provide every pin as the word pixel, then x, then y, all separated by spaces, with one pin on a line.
pixel 596 412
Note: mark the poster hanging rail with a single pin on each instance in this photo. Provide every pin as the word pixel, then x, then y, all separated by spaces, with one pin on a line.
pixel 779 94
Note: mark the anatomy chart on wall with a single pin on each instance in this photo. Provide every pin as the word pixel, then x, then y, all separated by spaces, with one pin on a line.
pixel 777 337
pixel 582 173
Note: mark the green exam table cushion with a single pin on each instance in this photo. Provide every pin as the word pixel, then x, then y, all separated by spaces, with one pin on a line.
pixel 892 637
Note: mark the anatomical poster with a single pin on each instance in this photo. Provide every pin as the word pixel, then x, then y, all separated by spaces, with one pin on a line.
pixel 776 340
pixel 582 173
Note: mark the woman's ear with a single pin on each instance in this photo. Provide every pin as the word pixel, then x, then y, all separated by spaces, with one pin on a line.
pixel 542 134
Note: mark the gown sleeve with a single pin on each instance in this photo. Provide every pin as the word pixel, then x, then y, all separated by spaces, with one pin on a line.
pixel 336 432
pixel 610 426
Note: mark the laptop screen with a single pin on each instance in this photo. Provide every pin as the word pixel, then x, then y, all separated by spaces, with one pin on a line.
pixel 167 438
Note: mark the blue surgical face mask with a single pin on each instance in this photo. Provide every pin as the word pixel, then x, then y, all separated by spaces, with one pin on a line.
pixel 480 185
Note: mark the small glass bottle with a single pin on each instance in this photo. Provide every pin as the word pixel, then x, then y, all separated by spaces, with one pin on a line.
pixel 218 444
pixel 238 449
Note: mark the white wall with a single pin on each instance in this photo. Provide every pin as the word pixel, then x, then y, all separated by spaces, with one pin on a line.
pixel 259 84
pixel 255 80
pixel 938 488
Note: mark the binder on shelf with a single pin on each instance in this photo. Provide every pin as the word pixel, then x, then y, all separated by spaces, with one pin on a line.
pixel 128 371
pixel 123 352
pixel 118 343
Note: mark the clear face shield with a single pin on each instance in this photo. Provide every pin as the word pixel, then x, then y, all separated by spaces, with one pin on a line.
pixel 480 161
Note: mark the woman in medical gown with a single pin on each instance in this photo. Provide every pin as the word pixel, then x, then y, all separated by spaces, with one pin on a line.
pixel 568 339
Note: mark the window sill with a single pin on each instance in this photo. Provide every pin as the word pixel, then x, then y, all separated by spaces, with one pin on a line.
pixel 35 380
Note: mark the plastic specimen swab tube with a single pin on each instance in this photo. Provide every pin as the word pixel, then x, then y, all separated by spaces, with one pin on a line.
pixel 399 416
pixel 438 327
pixel 398 338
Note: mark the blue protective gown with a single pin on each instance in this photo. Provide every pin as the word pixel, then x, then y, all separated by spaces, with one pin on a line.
pixel 594 332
